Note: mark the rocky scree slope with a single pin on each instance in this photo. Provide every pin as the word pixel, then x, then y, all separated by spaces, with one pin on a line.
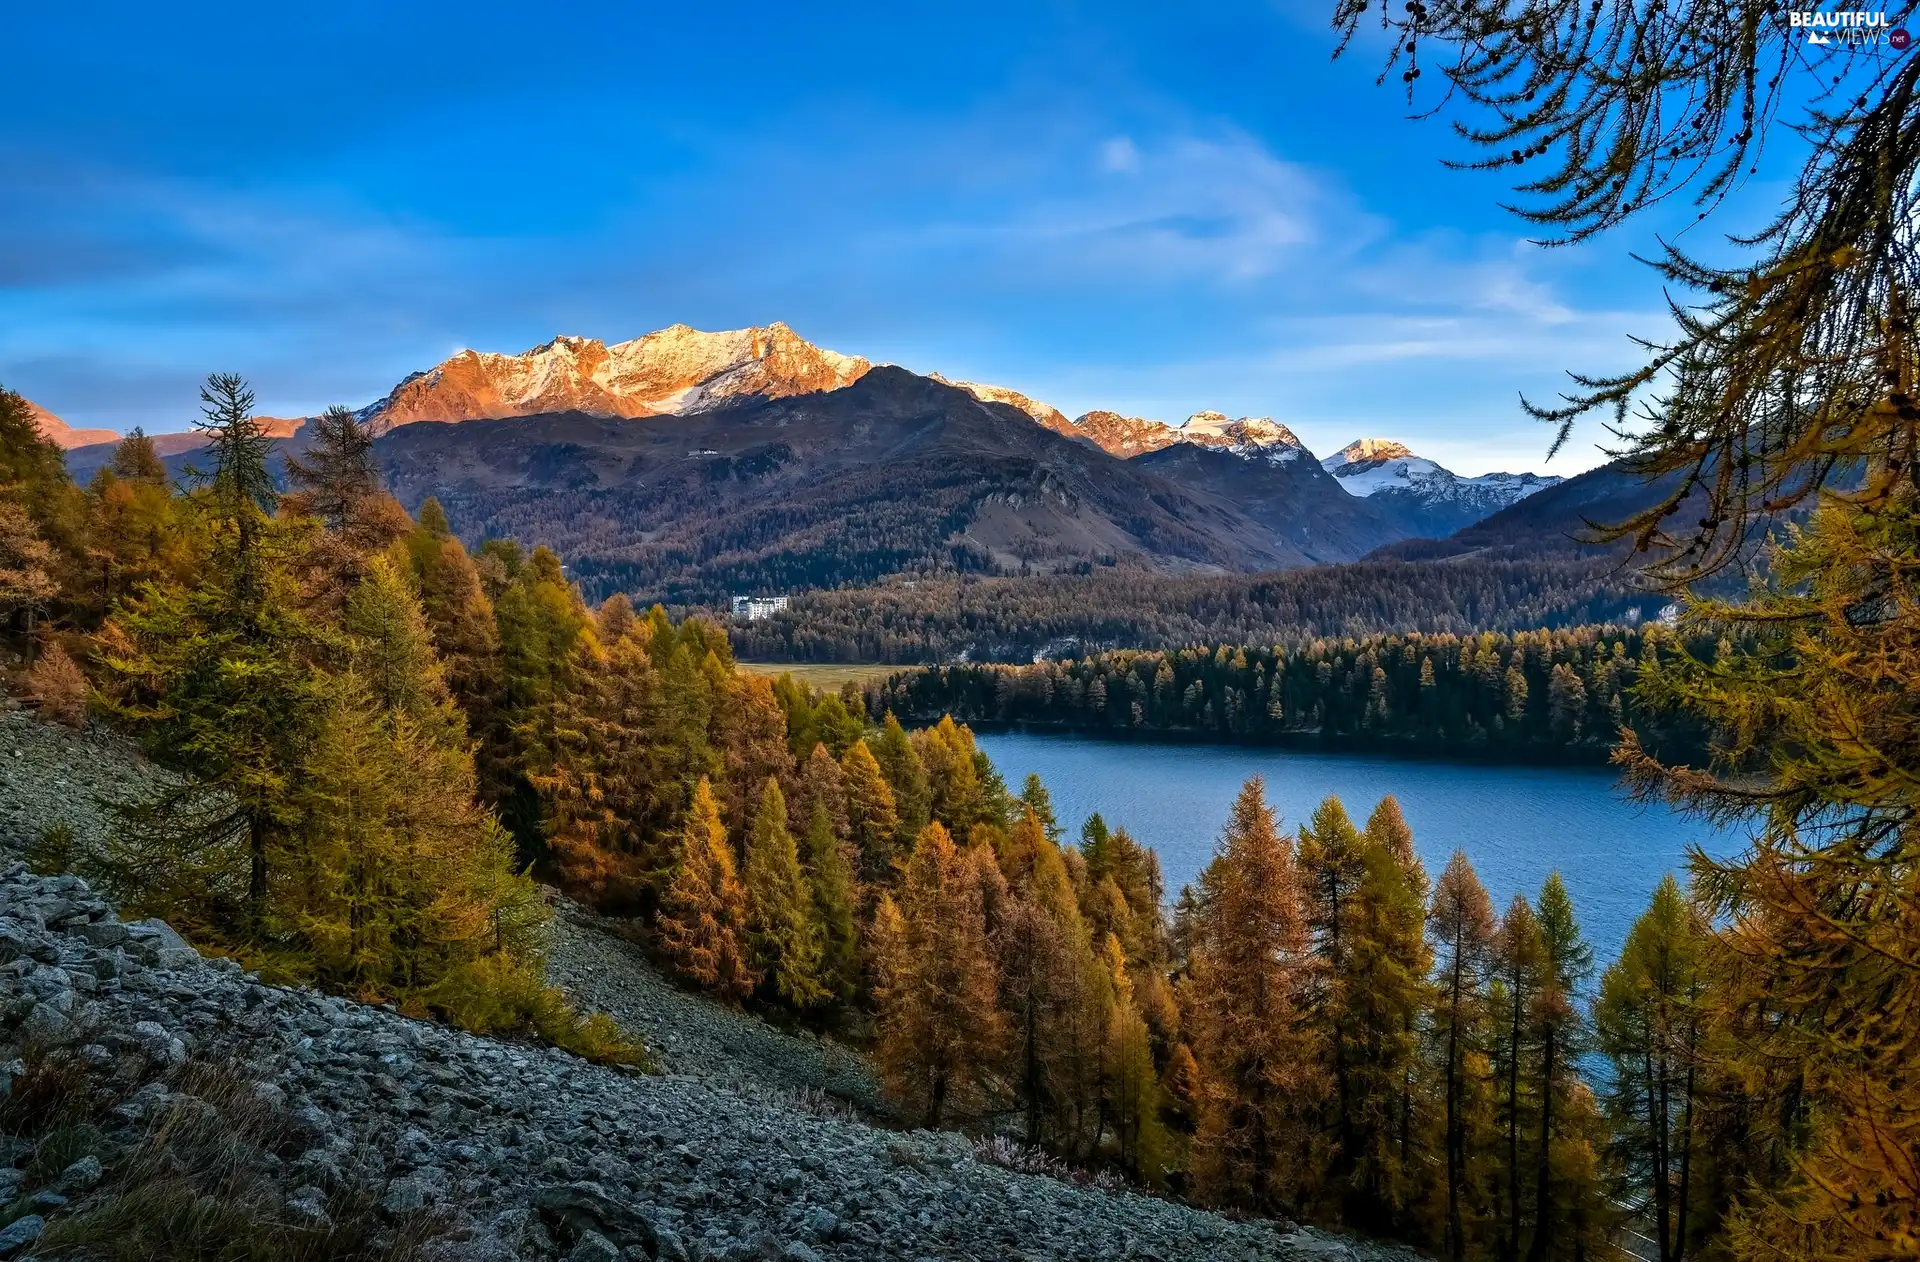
pixel 50 775
pixel 690 1035
pixel 503 1150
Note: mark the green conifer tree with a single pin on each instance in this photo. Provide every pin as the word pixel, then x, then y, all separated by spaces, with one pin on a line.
pixel 1386 963
pixel 1332 866
pixel 1462 930
pixel 221 682
pixel 1560 1034
pixel 1520 977
pixel 835 900
pixel 1047 992
pixel 873 819
pixel 783 927
pixel 1650 1022
pixel 1034 796
pixel 907 777
pixel 1132 1089
pixel 953 779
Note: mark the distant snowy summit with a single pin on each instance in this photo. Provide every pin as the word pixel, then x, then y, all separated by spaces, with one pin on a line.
pixel 1249 437
pixel 673 371
pixel 1431 500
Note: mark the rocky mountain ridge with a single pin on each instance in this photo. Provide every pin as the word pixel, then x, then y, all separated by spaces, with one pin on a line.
pixel 894 473
pixel 62 435
pixel 671 371
pixel 1125 437
pixel 1045 413
pixel 679 371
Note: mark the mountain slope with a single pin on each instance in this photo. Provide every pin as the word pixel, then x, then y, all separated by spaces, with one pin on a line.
pixel 1045 413
pixel 667 372
pixel 1279 485
pixel 1123 436
pixel 895 472
pixel 1418 496
pixel 1129 436
pixel 61 434
pixel 1548 522
pixel 175 449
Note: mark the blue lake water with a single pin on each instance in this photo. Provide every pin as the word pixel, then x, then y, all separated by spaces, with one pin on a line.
pixel 1517 824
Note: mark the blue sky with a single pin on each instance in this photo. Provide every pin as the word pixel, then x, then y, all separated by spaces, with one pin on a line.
pixel 1154 208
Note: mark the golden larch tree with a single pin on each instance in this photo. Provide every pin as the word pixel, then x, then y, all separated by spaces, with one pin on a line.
pixel 700 927
pixel 1246 1003
pixel 940 1030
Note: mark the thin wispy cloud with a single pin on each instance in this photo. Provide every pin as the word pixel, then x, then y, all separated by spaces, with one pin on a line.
pixel 1120 156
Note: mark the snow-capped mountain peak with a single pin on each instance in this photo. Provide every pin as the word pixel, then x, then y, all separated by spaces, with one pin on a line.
pixel 1361 450
pixel 674 370
pixel 1249 437
pixel 1367 466
pixel 1388 473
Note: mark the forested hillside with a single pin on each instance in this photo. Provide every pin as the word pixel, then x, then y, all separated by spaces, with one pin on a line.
pixel 278 655
pixel 1538 693
pixel 1014 620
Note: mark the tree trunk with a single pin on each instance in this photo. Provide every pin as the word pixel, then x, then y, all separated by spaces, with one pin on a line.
pixel 1511 1246
pixel 1657 1136
pixel 1032 1067
pixel 256 875
pixel 1543 1183
pixel 1686 1155
pixel 1336 1002
pixel 1456 1158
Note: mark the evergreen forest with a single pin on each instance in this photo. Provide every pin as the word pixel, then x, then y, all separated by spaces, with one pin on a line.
pixel 1532 694
pixel 934 618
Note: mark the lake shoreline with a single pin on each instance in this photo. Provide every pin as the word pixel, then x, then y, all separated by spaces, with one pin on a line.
pixel 1590 758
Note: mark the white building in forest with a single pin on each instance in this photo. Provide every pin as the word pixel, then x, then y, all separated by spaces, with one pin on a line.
pixel 754 608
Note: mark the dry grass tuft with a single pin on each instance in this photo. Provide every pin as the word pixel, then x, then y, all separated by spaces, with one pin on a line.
pixel 193 1186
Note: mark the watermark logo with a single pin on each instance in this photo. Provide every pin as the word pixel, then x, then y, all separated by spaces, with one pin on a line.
pixel 1851 28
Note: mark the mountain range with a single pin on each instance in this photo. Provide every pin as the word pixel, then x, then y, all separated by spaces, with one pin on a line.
pixel 1427 500
pixel 690 464
pixel 893 473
